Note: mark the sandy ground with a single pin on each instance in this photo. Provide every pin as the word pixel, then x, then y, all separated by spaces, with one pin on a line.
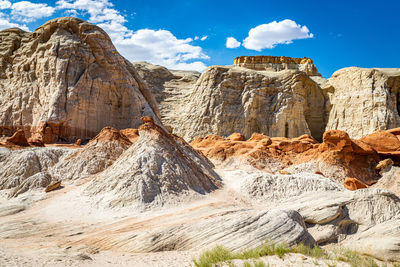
pixel 15 257
pixel 60 228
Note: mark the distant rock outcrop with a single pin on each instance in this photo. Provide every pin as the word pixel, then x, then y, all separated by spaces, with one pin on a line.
pixel 271 63
pixel 66 81
pixel 361 101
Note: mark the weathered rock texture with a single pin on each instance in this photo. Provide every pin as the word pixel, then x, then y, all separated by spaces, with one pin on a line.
pixel 94 157
pixel 366 220
pixel 26 169
pixel 171 89
pixel 66 81
pixel 361 101
pixel 337 157
pixel 158 169
pixel 271 63
pixel 233 99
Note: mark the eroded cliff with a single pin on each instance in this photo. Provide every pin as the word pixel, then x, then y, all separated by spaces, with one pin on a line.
pixel 66 81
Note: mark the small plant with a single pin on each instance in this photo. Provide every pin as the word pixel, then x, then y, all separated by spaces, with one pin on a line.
pixel 259 264
pixel 220 254
pixel 213 256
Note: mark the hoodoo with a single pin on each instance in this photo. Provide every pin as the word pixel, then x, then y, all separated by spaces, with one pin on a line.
pixel 66 81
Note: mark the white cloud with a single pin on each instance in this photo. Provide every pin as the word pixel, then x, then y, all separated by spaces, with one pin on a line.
pixel 274 33
pixel 161 47
pixel 232 42
pixel 201 39
pixel 5 4
pixel 155 46
pixel 27 11
pixel 5 24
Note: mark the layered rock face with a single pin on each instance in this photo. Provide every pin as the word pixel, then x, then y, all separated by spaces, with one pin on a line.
pixel 271 63
pixel 171 89
pixel 361 101
pixel 66 81
pixel 232 99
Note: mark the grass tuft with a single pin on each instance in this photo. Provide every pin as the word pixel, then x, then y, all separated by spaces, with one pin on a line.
pixel 220 254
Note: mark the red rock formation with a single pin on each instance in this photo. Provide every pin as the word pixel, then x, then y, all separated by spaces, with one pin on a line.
pixel 18 138
pixel 131 134
pixel 236 137
pixel 383 141
pixel 111 134
pixel 354 184
pixel 355 157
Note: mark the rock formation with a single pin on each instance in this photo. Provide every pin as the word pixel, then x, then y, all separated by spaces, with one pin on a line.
pixel 337 157
pixel 18 138
pixel 66 81
pixel 361 101
pixel 157 170
pixel 96 156
pixel 232 99
pixel 271 63
pixel 171 89
pixel 22 170
pixel 351 218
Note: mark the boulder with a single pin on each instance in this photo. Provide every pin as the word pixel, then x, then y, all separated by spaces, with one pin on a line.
pixel 53 186
pixel 353 184
pixel 18 138
pixel 382 141
pixel 236 137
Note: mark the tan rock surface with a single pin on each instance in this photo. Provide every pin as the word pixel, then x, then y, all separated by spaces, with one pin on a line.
pixel 362 101
pixel 272 63
pixel 171 89
pixel 233 99
pixel 66 81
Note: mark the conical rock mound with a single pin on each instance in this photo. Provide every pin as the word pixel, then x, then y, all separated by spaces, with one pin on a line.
pixel 66 81
pixel 94 157
pixel 158 169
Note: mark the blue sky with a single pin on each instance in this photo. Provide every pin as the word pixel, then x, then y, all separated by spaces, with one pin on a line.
pixel 193 34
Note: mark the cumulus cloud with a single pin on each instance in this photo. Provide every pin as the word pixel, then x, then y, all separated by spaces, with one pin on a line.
pixel 5 4
pixel 161 47
pixel 274 33
pixel 232 42
pixel 27 11
pixel 5 24
pixel 155 46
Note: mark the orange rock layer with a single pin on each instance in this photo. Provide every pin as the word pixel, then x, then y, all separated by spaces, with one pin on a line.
pixel 270 59
pixel 360 158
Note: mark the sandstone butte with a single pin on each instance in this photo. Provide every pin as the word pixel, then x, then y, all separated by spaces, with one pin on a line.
pixel 277 63
pixel 66 81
